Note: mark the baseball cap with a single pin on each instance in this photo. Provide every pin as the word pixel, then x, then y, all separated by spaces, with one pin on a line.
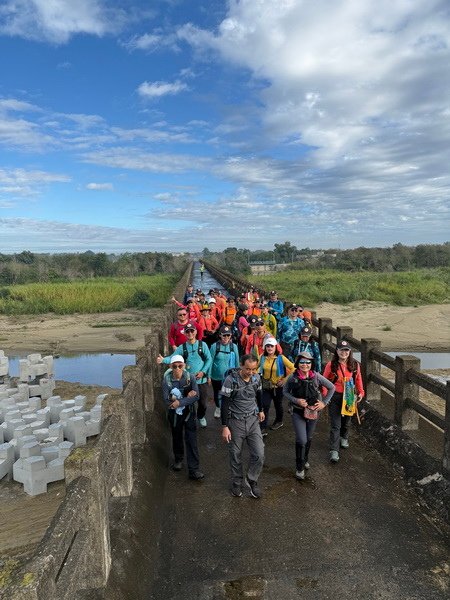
pixel 271 341
pixel 225 329
pixel 306 331
pixel 176 358
pixel 190 326
pixel 212 301
pixel 343 344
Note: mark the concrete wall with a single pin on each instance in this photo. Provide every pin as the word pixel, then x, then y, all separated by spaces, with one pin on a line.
pixel 106 479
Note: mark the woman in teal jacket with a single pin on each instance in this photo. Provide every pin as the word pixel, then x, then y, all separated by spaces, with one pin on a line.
pixel 224 356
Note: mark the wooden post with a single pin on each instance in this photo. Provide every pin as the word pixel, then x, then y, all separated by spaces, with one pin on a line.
pixel 344 332
pixel 368 366
pixel 325 336
pixel 446 455
pixel 405 417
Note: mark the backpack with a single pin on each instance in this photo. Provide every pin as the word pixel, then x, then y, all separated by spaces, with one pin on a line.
pixel 186 388
pixel 334 374
pixel 308 388
pixel 200 351
pixel 234 380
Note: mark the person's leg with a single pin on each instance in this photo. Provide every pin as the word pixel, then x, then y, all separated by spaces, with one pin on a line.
pixel 203 400
pixel 311 425
pixel 299 423
pixel 237 429
pixel 278 404
pixel 334 409
pixel 266 400
pixel 256 448
pixel 216 385
pixel 345 424
pixel 190 439
pixel 176 428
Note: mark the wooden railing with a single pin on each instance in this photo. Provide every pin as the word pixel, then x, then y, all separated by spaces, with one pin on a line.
pixel 402 390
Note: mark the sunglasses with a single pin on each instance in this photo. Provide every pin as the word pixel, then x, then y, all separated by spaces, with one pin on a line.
pixel 259 323
pixel 304 362
pixel 270 346
pixel 177 366
pixel 225 334
pixel 189 330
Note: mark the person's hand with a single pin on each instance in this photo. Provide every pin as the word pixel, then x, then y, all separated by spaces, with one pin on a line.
pixel 302 402
pixel 209 380
pixel 358 399
pixel 159 359
pixel 199 375
pixel 261 416
pixel 175 404
pixel 226 435
pixel 319 405
pixel 191 394
pixel 174 347
pixel 281 382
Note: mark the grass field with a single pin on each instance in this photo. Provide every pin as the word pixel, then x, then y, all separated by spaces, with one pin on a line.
pixel 87 296
pixel 406 288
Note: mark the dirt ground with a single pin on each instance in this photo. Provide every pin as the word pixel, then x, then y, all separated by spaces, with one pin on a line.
pixel 398 327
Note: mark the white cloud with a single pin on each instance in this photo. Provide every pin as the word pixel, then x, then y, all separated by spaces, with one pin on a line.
pixel 157 89
pixel 100 186
pixel 57 20
pixel 20 182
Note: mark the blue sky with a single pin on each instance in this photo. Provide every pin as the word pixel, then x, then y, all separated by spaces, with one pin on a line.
pixel 173 125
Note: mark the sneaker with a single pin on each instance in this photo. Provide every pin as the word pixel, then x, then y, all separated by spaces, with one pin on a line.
pixel 255 492
pixel 236 489
pixel 196 475
pixel 307 465
pixel 300 474
pixel 217 413
pixel 177 465
pixel 277 425
pixel 202 422
pixel 344 443
pixel 334 456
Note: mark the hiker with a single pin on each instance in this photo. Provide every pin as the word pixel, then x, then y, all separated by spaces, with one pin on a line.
pixel 303 391
pixel 176 334
pixel 224 356
pixel 208 324
pixel 180 392
pixel 345 373
pixel 197 357
pixel 305 344
pixel 289 328
pixel 276 307
pixel 274 369
pixel 254 340
pixel 269 320
pixel 215 309
pixel 241 413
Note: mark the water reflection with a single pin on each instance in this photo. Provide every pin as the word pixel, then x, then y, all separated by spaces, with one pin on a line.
pixel 90 368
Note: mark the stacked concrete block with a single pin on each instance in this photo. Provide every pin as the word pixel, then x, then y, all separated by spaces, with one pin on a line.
pixel 4 366
pixel 35 368
pixel 37 436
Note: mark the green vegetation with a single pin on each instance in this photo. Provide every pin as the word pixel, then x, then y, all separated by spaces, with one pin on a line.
pixel 406 288
pixel 88 296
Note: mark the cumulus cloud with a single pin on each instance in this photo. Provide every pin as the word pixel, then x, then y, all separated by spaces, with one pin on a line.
pixel 58 20
pixel 157 89
pixel 100 186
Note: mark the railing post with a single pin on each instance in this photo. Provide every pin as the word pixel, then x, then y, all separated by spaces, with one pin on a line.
pixel 344 332
pixel 406 418
pixel 368 366
pixel 325 336
pixel 446 455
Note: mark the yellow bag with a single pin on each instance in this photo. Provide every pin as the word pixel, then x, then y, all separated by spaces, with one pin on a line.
pixel 348 398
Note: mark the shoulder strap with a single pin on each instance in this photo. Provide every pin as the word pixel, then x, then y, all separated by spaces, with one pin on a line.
pixel 185 351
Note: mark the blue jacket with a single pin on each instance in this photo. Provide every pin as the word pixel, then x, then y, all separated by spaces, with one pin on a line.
pixel 194 362
pixel 276 308
pixel 224 357
pixel 312 348
pixel 289 329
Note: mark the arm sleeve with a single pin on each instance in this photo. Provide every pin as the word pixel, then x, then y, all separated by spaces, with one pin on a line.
pixel 317 357
pixel 289 365
pixel 199 329
pixel 165 392
pixel 187 400
pixel 327 370
pixel 171 336
pixel 225 395
pixel 359 382
pixel 208 360
pixel 328 385
pixel 287 394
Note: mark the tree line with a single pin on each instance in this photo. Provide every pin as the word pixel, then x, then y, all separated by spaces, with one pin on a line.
pixel 29 267
pixel 395 258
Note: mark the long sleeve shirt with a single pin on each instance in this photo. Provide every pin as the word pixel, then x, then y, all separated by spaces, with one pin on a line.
pixel 176 333
pixel 183 385
pixel 194 362
pixel 321 381
pixel 312 348
pixel 289 329
pixel 342 372
pixel 270 371
pixel 224 357
pixel 240 397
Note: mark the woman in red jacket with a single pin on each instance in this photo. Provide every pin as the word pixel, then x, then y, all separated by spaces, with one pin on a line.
pixel 345 372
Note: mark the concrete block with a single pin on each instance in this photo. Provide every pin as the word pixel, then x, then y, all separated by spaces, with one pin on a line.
pixel 55 470
pixel 6 460
pixel 37 425
pixel 44 414
pixel 30 449
pixel 35 403
pixel 66 414
pixel 41 434
pixel 75 430
pixel 56 430
pixel 80 401
pixel 50 453
pixel 96 412
pixel 85 414
pixel 29 417
pixel 22 430
pixel 93 427
pixel 2 438
pixel 34 358
pixel 23 391
pixel 69 404
pixel 31 472
pixel 65 448
pixel 24 371
pixel 49 363
pixel 100 399
pixel 12 424
pixel 46 387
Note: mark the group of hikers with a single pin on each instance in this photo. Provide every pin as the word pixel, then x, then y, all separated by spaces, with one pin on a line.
pixel 253 351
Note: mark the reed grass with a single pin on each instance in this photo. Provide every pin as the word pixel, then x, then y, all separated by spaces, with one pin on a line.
pixel 405 288
pixel 87 296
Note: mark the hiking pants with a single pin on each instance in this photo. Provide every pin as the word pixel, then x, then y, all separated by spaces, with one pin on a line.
pixel 187 423
pixel 304 428
pixel 216 386
pixel 246 429
pixel 203 400
pixel 339 423
pixel 276 394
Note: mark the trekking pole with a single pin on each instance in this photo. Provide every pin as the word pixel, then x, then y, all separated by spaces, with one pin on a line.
pixel 357 415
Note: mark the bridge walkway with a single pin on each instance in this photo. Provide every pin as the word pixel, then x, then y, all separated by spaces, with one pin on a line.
pixel 350 530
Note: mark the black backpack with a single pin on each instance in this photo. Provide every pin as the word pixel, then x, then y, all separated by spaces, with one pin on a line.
pixel 200 351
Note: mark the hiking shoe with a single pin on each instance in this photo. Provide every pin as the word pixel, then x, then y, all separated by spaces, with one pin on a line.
pixel 236 489
pixel 177 465
pixel 277 425
pixel 202 422
pixel 196 475
pixel 300 474
pixel 334 456
pixel 255 492
pixel 344 443
pixel 307 465
pixel 217 413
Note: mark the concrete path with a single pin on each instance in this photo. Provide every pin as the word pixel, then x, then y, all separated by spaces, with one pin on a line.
pixel 351 530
